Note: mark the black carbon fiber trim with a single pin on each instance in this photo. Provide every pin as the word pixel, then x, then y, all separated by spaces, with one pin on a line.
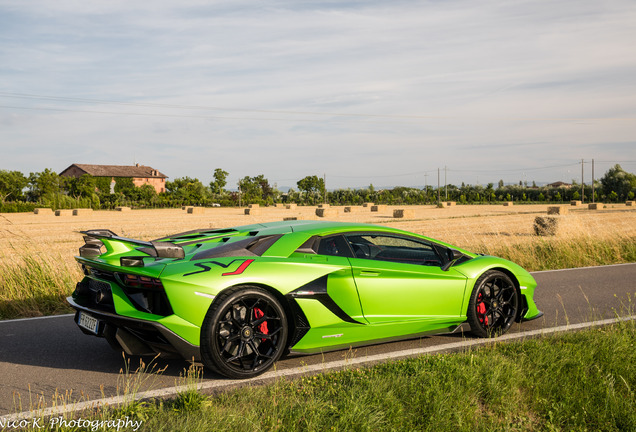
pixel 150 332
pixel 317 290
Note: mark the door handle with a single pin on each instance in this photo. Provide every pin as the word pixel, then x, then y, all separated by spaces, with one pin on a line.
pixel 369 273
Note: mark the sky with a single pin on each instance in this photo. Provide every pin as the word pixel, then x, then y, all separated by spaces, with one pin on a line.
pixel 361 92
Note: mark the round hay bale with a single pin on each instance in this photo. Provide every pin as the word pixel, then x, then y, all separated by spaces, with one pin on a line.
pixel 82 212
pixel 196 210
pixel 326 212
pixel 403 213
pixel 546 226
pixel 558 210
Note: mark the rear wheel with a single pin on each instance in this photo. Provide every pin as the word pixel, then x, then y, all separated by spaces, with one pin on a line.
pixel 493 305
pixel 243 333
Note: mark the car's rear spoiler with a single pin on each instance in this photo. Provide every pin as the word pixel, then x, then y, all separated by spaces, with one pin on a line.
pixel 160 249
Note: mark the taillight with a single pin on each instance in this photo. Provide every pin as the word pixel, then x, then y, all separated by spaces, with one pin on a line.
pixel 141 282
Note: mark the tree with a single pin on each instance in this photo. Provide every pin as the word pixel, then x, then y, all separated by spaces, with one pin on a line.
pixel 219 182
pixel 147 193
pixel 310 185
pixel 266 190
pixel 187 190
pixel 83 186
pixel 44 184
pixel 255 189
pixel 11 184
pixel 124 185
pixel 619 181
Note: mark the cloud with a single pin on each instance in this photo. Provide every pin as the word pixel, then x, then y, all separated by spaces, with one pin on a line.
pixel 290 88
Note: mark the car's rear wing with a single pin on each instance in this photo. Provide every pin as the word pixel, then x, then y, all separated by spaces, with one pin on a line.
pixel 94 239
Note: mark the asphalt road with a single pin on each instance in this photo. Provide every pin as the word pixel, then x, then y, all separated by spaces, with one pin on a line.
pixel 42 358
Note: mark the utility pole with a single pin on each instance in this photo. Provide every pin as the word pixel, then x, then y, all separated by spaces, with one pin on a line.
pixel 324 187
pixel 593 197
pixel 426 185
pixel 438 191
pixel 445 185
pixel 582 183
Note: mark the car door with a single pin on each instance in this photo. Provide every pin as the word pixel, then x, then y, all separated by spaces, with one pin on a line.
pixel 400 278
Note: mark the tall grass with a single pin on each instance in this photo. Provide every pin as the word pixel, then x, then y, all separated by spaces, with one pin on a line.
pixel 553 253
pixel 35 286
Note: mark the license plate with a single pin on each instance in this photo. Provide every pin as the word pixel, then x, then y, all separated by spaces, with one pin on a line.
pixel 88 322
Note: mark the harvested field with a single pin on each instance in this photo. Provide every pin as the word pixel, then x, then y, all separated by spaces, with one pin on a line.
pixel 37 268
pixel 471 227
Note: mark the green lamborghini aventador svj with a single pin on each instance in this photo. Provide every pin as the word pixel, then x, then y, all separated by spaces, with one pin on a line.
pixel 239 298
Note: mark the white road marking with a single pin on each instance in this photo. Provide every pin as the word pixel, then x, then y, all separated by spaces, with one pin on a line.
pixel 292 372
pixel 36 318
pixel 582 268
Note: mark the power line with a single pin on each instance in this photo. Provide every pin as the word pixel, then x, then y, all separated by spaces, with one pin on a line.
pixel 514 170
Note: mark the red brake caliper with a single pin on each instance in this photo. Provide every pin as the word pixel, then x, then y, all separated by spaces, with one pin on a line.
pixel 481 311
pixel 263 327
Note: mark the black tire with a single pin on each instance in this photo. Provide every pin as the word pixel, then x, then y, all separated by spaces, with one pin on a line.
pixel 244 333
pixel 494 304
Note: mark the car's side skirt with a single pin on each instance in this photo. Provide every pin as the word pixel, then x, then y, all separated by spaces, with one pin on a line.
pixel 454 328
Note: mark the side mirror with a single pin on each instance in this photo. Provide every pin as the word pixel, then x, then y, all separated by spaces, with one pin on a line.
pixel 455 255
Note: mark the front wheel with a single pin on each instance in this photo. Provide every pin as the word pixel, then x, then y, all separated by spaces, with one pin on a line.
pixel 493 305
pixel 243 333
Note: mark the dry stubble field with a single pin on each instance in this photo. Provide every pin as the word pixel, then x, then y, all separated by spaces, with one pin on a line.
pixel 473 227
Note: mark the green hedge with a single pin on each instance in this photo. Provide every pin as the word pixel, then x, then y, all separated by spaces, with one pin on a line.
pixel 18 207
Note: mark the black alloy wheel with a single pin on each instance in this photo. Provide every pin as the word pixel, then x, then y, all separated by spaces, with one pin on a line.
pixel 494 304
pixel 244 332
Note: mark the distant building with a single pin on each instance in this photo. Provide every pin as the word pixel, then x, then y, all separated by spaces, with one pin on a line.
pixel 559 184
pixel 140 174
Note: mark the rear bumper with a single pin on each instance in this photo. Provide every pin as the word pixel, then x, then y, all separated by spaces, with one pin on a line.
pixel 154 336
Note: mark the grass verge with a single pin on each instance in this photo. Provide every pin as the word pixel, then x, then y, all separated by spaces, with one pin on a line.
pixel 581 381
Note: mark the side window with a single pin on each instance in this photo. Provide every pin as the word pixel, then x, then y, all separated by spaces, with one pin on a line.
pixel 334 246
pixel 394 249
